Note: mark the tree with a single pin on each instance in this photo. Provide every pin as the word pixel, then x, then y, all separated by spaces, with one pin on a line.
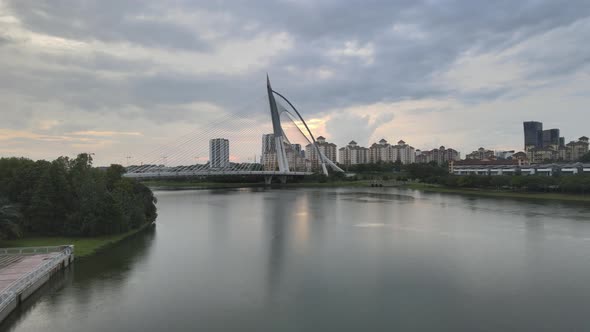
pixel 425 171
pixel 585 158
pixel 500 181
pixel 50 203
pixel 70 197
pixel 113 174
pixel 10 218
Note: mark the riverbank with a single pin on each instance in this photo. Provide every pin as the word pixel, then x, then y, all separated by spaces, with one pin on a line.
pixel 83 246
pixel 497 193
pixel 173 185
pixel 360 183
pixel 176 185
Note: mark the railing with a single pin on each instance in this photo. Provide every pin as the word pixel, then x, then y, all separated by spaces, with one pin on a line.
pixel 167 173
pixel 10 293
pixel 30 250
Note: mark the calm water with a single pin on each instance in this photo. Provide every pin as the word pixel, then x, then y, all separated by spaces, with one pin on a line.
pixel 369 259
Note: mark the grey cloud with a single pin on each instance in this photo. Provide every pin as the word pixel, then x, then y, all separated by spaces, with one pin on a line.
pixel 431 37
pixel 402 67
pixel 344 127
pixel 105 20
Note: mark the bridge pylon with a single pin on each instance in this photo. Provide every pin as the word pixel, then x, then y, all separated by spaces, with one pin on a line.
pixel 277 129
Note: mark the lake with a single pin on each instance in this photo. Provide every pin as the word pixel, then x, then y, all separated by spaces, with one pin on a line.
pixel 331 259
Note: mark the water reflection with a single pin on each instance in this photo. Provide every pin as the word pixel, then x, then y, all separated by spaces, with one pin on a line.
pixel 278 218
pixel 333 260
pixel 86 281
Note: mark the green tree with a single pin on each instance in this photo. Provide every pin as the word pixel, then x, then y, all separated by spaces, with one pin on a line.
pixel 114 173
pixel 500 181
pixel 10 219
pixel 49 206
pixel 70 197
pixel 585 158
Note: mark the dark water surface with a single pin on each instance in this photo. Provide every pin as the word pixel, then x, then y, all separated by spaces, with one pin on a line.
pixel 373 259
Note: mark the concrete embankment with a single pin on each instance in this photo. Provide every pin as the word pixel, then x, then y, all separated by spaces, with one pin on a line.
pixel 24 270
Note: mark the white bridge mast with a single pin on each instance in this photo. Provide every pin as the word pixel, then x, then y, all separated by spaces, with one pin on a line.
pixel 278 130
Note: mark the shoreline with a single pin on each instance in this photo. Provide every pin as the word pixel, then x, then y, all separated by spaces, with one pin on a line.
pixel 499 194
pixel 83 246
pixel 367 183
pixel 205 186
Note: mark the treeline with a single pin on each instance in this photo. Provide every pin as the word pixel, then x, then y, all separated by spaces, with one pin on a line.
pixel 378 167
pixel 431 173
pixel 572 184
pixel 70 197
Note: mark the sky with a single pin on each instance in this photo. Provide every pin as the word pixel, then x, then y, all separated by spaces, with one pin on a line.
pixel 121 79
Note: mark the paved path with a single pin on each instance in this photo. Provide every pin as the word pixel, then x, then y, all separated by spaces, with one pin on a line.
pixel 6 260
pixel 14 267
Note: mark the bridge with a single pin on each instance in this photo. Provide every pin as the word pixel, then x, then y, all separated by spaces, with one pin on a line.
pixel 281 155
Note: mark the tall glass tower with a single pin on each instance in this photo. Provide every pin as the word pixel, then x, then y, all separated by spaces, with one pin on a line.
pixel 550 137
pixel 533 134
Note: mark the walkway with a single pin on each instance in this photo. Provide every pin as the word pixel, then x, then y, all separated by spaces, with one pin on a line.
pixel 14 267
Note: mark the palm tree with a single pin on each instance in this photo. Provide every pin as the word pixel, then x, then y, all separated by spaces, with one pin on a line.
pixel 10 217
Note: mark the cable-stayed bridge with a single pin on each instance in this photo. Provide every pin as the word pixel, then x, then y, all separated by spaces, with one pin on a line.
pixel 235 145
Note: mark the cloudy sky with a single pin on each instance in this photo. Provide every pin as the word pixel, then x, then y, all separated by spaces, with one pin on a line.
pixel 119 78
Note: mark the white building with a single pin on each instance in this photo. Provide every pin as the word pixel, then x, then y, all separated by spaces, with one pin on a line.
pixel 352 154
pixel 381 151
pixel 219 153
pixel 327 149
pixel 385 152
pixel 268 155
pixel 404 153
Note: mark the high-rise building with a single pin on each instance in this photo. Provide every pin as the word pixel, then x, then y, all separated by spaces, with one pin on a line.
pixel 533 134
pixel 381 151
pixel 404 153
pixel 268 143
pixel 219 153
pixel 575 150
pixel 562 142
pixel 295 157
pixel 352 154
pixel 440 156
pixel 551 138
pixel 327 149
pixel 268 155
pixel 481 154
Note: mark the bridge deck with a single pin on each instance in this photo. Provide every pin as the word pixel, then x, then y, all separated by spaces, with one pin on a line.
pixel 182 174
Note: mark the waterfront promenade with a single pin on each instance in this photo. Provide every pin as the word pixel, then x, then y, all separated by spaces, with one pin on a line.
pixel 24 270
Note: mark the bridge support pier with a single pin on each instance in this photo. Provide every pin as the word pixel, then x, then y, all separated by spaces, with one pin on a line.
pixel 283 179
pixel 268 179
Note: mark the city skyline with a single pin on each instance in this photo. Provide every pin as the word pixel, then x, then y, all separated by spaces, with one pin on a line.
pixel 541 146
pixel 420 72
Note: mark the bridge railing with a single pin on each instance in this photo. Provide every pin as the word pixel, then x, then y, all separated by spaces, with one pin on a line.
pixel 18 286
pixel 164 174
pixel 31 250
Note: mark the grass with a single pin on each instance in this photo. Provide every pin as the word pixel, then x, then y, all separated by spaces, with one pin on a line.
pixel 83 246
pixel 494 193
